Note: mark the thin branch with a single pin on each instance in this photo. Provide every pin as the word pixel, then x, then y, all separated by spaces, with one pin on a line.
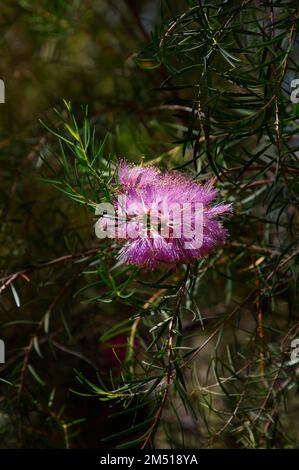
pixel 171 329
pixel 7 280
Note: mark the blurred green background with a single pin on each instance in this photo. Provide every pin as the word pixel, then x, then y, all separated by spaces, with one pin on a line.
pixel 102 54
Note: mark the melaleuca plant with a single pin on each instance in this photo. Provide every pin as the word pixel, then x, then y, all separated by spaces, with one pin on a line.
pixel 164 225
pixel 172 343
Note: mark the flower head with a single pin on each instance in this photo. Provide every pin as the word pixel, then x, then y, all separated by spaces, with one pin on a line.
pixel 165 217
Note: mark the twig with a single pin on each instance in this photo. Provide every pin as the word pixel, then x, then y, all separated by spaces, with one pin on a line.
pixel 7 280
pixel 172 324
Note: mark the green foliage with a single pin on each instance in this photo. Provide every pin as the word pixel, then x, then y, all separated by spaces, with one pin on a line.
pixel 193 356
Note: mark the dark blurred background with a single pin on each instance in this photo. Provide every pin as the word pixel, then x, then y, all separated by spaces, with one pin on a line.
pixel 97 53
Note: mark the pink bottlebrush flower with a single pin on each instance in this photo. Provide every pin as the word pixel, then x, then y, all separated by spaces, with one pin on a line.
pixel 165 217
